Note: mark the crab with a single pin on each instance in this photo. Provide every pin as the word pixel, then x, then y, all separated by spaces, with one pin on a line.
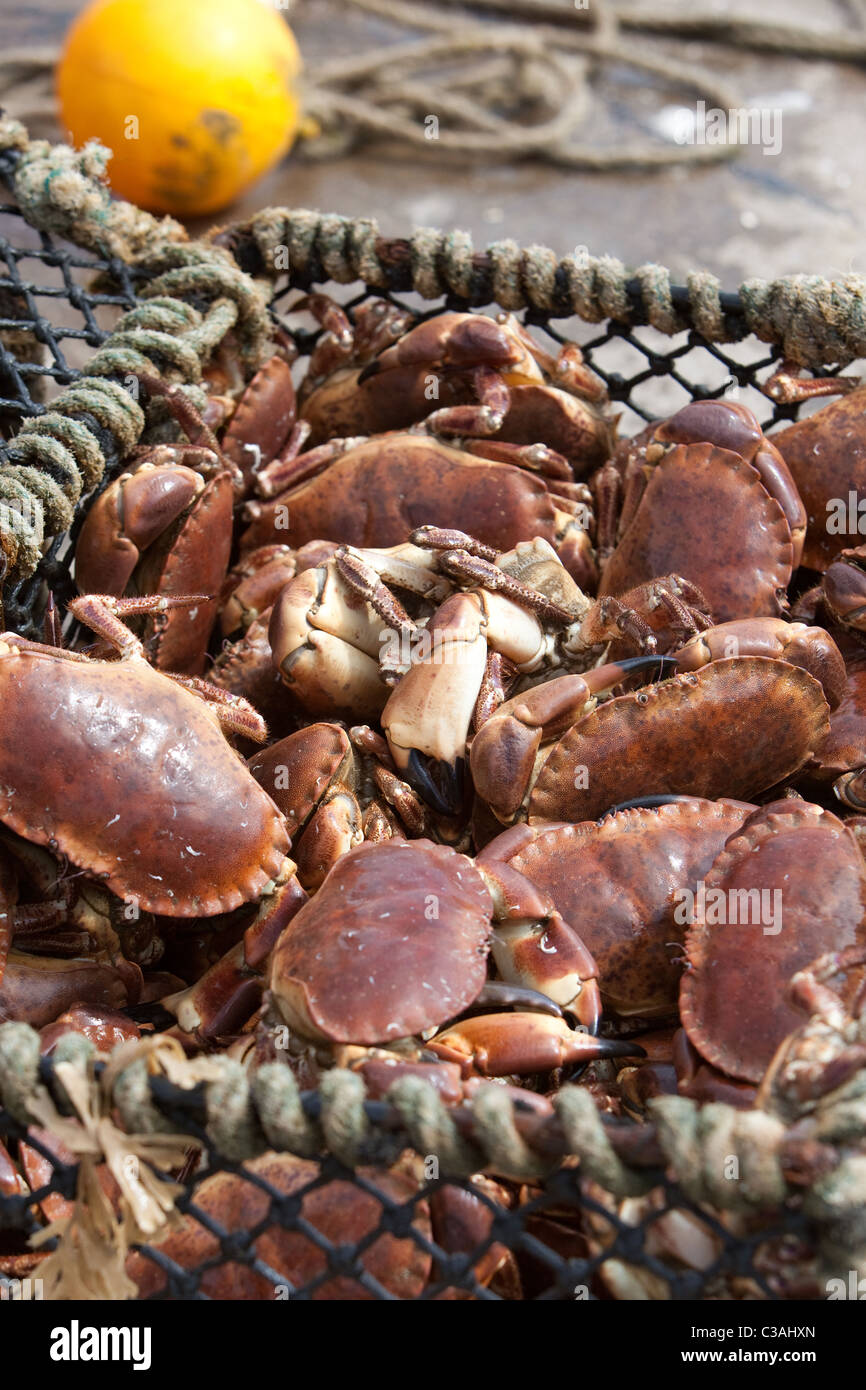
pixel 336 1214
pixel 826 455
pixel 840 758
pixel 263 421
pixel 798 877
pixel 164 813
pixel 395 944
pixel 408 480
pixel 163 528
pixel 682 736
pixel 841 593
pixel 334 797
pixel 460 374
pixel 704 494
pixel 823 1054
pixel 618 882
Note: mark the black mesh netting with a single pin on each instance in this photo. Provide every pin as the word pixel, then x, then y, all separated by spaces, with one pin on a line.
pixel 287 1227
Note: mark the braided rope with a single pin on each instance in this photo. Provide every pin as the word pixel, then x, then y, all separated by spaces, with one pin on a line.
pixel 731 1160
pixel 723 1159
pixel 816 321
pixel 194 296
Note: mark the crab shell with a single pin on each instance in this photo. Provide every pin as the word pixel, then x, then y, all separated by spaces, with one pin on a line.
pixel 264 418
pixel 826 454
pixel 841 756
pixel 734 998
pixel 617 881
pixel 732 729
pixel 378 492
pixel 37 989
pixel 706 515
pixel 129 775
pixel 183 530
pixel 395 942
pixel 342 1213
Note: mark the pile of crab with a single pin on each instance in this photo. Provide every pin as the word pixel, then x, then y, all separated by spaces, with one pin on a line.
pixel 424 726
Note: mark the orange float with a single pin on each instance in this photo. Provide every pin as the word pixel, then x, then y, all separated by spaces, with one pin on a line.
pixel 197 100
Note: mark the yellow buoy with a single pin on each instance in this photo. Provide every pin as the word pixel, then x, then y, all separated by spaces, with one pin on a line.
pixel 197 98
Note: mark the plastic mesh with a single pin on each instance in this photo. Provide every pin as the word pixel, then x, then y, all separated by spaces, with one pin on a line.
pixel 299 1230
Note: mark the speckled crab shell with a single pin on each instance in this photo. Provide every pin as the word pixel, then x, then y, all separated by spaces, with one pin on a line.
pixel 128 775
pixel 826 454
pixel 733 728
pixel 706 515
pixel 381 490
pixel 298 770
pixel 734 997
pixel 616 882
pixel 395 942
pixel 342 1212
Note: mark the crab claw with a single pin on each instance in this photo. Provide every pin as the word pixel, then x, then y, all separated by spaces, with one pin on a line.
pixel 427 718
pixel 521 1044
pixel 533 946
pixel 440 783
pixel 504 752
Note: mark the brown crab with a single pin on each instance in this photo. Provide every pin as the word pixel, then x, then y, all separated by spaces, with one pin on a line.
pixel 166 814
pixel 340 1212
pixel 409 480
pixel 618 883
pixel 395 943
pixel 707 496
pixel 165 529
pixel 797 877
pixel 684 736
pixel 826 454
pixel 459 374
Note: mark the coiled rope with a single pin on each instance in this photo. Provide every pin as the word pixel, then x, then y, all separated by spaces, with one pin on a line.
pixel 816 322
pixel 195 295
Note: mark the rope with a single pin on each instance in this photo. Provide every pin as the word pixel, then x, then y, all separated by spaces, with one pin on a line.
pixel 721 1158
pixel 195 295
pixel 815 321
pixel 733 1160
pixel 506 79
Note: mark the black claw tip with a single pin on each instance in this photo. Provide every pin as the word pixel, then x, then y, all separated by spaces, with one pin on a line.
pixel 441 784
pixel 371 369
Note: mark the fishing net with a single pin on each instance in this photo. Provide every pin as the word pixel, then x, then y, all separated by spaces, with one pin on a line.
pixel 232 1187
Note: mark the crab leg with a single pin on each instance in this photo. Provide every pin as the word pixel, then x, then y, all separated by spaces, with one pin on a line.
pixel 485 418
pixel 103 614
pixel 521 1044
